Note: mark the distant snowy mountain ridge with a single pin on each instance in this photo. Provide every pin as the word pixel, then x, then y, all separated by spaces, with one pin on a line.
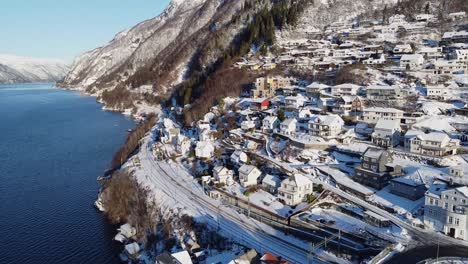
pixel 15 69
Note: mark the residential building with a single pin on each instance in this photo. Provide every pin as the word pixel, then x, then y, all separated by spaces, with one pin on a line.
pixel 248 175
pixel 271 183
pixel 294 102
pixel 270 123
pixel 434 144
pixel 345 89
pixel 386 133
pixel 407 188
pixel 461 56
pixel 374 114
pixel 239 157
pixel 375 170
pixel 295 189
pixel 326 126
pixel 382 92
pixel 316 88
pixel 403 49
pixel 204 149
pixel 431 52
pixel 446 210
pixel 325 103
pixel 267 86
pixel 449 67
pixel 411 61
pixel 345 105
pixel 223 175
pixel 288 126
pixel 455 36
pixel 436 92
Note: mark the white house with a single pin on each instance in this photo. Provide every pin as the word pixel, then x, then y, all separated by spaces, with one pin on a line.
pixel 223 175
pixel 386 133
pixel 294 102
pixel 461 56
pixel 382 92
pixel 436 92
pixel 434 144
pixel 345 89
pixel 239 157
pixel 375 61
pixel 431 52
pixel 402 49
pixel 324 103
pixel 316 88
pixel 248 175
pixel 374 114
pixel 411 61
pixel 326 126
pixel 271 183
pixel 270 123
pixel 295 189
pixel 204 149
pixel 449 67
pixel 288 126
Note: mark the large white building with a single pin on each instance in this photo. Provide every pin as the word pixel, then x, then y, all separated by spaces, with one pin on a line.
pixel 434 144
pixel 374 114
pixel 326 126
pixel 446 210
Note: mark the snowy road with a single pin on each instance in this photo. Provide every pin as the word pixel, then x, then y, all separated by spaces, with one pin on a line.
pixel 184 192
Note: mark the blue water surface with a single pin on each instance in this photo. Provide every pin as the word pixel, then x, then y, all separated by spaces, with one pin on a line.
pixel 53 146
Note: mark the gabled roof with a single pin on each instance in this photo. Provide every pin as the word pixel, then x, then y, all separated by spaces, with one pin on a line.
pixel 374 153
pixel 434 136
pixel 327 120
pixel 388 124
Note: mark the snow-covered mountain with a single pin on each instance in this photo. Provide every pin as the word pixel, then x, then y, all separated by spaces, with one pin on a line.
pixel 15 69
pixel 155 55
pixel 161 44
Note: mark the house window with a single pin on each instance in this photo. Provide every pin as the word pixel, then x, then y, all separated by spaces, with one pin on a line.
pixel 457 221
pixel 431 201
pixel 450 220
pixel 446 205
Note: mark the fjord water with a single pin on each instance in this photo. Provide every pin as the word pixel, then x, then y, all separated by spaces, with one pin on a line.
pixel 53 146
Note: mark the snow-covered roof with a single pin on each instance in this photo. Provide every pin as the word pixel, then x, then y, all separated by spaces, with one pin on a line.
pixel 347 85
pixel 383 110
pixel 413 132
pixel 434 136
pixel 317 85
pixel 412 57
pixel 327 120
pixel 381 87
pixel 271 180
pixel 388 124
pixel 247 169
pixel 407 181
pixel 132 248
pixel 374 153
pixel 289 121
pixel 297 180
pixel 436 189
pixel 183 257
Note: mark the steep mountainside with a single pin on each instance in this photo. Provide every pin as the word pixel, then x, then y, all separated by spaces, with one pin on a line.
pixel 188 42
pixel 14 69
pixel 159 46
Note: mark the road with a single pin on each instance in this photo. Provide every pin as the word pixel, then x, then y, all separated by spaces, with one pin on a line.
pixel 246 231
